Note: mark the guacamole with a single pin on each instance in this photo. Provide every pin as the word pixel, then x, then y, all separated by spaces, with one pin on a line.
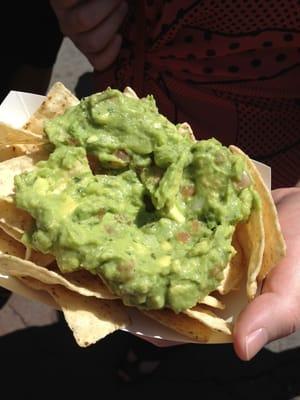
pixel 128 196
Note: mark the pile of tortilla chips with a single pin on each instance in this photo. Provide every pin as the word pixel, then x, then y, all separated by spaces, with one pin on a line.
pixel 90 309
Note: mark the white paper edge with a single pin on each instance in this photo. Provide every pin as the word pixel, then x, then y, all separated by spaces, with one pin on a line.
pixel 25 103
pixel 15 110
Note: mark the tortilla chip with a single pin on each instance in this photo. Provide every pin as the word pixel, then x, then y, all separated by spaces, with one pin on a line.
pixel 187 326
pixel 16 231
pixel 274 244
pixel 11 136
pixel 90 319
pixel 13 167
pixel 27 254
pixel 235 269
pixel 57 101
pixel 16 150
pixel 213 302
pixel 14 217
pixel 186 130
pixel 129 92
pixel 14 222
pixel 9 245
pixel 275 247
pixel 23 289
pixel 252 238
pixel 209 319
pixel 10 151
pixel 14 264
pixel 33 283
pixel 39 258
pixel 11 231
pixel 90 282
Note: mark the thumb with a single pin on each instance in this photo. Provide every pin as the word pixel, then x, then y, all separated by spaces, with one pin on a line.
pixel 268 317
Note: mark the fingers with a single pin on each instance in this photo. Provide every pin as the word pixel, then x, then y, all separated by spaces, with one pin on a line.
pixel 276 312
pixel 97 39
pixel 279 194
pixel 105 58
pixel 59 5
pixel 84 16
pixel 93 27
pixel 268 317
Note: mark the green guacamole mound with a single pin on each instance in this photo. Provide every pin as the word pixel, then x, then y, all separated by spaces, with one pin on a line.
pixel 128 197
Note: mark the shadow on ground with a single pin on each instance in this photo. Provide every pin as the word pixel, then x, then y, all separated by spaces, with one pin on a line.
pixel 48 358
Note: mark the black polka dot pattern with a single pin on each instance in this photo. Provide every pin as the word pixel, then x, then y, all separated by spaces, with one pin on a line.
pixel 233 69
pixel 239 45
pixel 234 45
pixel 281 57
pixel 288 37
pixel 188 39
pixel 208 70
pixel 248 15
pixel 267 43
pixel 210 53
pixel 237 17
pixel 207 36
pixel 256 63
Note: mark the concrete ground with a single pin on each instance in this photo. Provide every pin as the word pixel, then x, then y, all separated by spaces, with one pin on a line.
pixel 70 65
pixel 20 313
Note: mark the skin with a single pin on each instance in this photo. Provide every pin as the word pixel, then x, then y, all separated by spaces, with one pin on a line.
pixel 256 325
pixel 94 27
pixel 281 289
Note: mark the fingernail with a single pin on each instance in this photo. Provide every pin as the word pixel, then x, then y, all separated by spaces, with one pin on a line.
pixel 255 341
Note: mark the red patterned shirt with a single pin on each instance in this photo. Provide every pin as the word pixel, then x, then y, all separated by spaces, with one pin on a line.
pixel 229 68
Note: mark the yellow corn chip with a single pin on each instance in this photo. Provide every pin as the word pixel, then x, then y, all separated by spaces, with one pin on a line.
pixel 213 302
pixel 11 136
pixel 209 319
pixel 13 264
pixel 235 270
pixel 189 327
pixel 266 219
pixel 90 319
pixel 58 100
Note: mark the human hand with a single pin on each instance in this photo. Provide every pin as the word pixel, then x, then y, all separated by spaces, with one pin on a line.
pixel 93 27
pixel 276 312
